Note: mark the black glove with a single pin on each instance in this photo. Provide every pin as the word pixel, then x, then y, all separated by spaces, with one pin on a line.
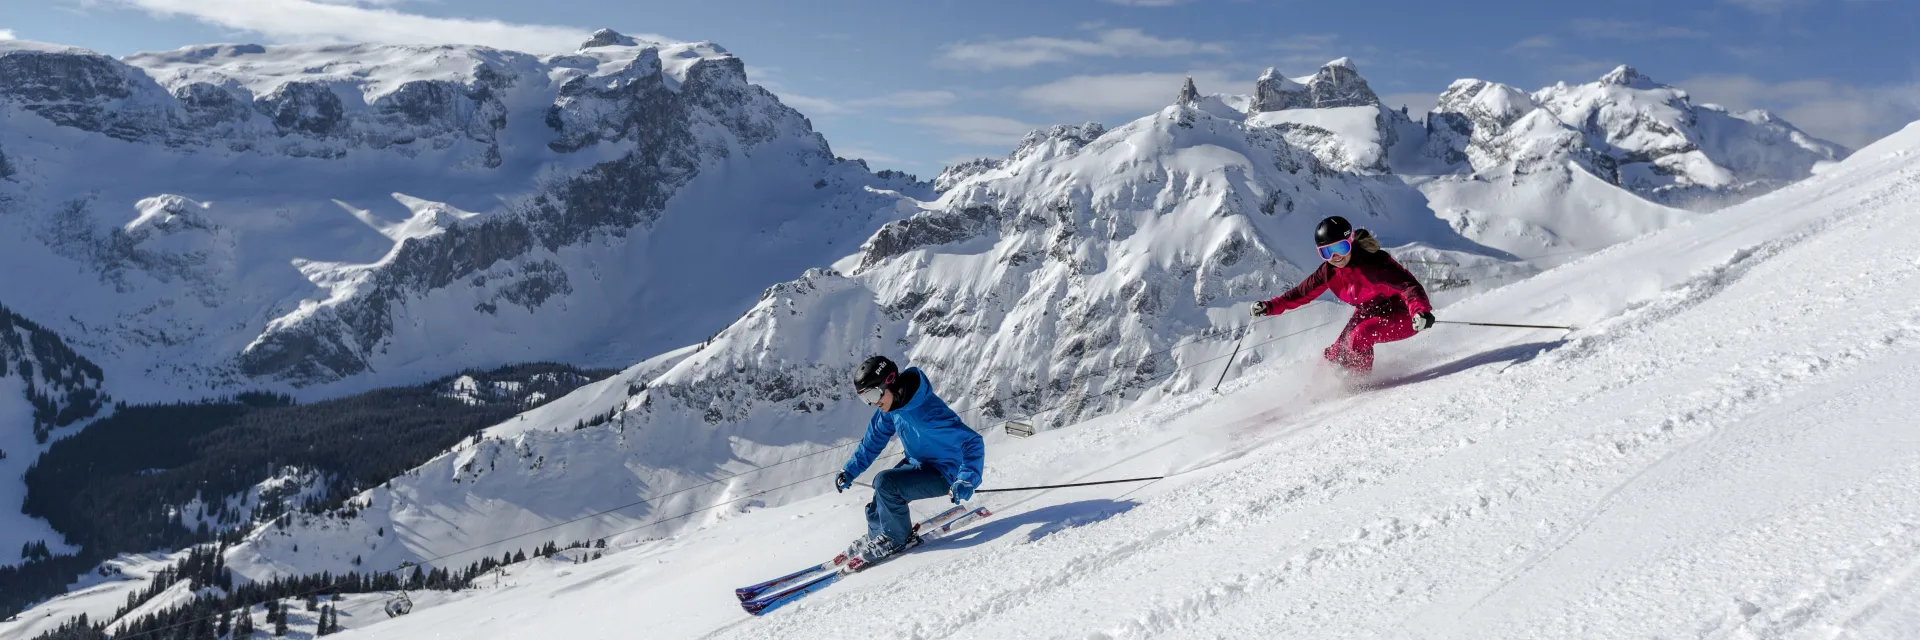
pixel 1423 321
pixel 1259 308
pixel 842 481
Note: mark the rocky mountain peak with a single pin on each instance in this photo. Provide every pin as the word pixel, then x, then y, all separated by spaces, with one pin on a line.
pixel 1336 84
pixel 1188 93
pixel 1489 104
pixel 1058 140
pixel 609 38
pixel 1629 77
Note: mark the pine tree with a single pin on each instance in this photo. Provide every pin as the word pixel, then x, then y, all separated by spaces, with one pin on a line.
pixel 226 624
pixel 280 625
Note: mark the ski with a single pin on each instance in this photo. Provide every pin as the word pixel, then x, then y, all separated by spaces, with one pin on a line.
pixel 804 575
pixel 806 585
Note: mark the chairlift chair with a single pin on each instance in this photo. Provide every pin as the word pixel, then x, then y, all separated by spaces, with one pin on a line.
pixel 399 605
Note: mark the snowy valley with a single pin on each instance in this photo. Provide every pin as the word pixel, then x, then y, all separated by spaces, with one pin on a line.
pixel 327 220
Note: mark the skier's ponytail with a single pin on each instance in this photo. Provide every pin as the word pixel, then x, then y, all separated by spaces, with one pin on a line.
pixel 1365 240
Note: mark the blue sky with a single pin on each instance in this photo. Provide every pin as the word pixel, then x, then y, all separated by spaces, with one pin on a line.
pixel 915 85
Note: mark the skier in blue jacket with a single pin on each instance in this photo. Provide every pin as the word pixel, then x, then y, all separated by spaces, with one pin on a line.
pixel 944 455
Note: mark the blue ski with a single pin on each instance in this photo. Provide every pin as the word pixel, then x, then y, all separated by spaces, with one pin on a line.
pixel 803 575
pixel 808 585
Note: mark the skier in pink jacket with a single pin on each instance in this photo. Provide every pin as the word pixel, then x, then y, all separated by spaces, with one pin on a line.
pixel 1389 304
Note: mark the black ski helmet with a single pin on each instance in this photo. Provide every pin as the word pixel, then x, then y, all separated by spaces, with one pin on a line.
pixel 1331 230
pixel 875 373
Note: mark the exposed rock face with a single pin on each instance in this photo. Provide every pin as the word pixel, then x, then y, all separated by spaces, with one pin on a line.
pixel 576 160
pixel 1337 84
pixel 1189 94
pixel 954 175
pixel 1274 92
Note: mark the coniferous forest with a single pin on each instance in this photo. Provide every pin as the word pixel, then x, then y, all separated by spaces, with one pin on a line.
pixel 119 485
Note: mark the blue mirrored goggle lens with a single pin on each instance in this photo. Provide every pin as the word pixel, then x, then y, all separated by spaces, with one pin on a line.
pixel 1340 248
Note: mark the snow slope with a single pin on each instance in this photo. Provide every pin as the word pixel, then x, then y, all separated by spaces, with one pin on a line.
pixel 96 594
pixel 1720 450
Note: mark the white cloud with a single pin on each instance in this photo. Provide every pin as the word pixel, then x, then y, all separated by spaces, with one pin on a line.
pixel 816 107
pixel 907 100
pixel 1128 94
pixel 1535 43
pixel 980 130
pixel 6 34
pixel 1030 51
pixel 296 20
pixel 898 100
pixel 1838 111
pixel 1631 31
pixel 1769 7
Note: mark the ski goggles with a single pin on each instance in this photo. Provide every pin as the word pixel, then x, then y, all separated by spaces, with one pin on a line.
pixel 870 395
pixel 1341 248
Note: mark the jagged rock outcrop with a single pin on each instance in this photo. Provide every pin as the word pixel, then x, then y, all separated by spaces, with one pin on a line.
pixel 1336 84
pixel 958 173
pixel 567 170
pixel 1189 94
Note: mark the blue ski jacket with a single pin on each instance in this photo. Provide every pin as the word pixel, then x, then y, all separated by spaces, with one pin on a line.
pixel 932 434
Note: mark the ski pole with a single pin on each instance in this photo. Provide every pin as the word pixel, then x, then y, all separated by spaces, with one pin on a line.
pixel 1236 354
pixel 1059 486
pixel 1510 326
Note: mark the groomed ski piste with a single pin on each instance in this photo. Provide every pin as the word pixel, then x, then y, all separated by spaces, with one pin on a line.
pixel 1725 447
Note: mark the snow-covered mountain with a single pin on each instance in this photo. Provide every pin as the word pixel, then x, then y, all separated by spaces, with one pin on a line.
pixel 1568 168
pixel 1070 279
pixel 1631 131
pixel 1064 281
pixel 234 215
pixel 1091 270
pixel 1741 466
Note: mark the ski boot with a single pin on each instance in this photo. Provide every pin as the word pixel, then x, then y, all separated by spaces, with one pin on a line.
pixel 869 551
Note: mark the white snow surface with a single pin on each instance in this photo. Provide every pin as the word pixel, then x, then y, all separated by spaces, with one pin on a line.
pixel 1721 450
pixel 1357 132
pixel 97 594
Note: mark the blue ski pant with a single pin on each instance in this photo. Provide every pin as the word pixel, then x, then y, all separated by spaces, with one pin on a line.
pixel 887 514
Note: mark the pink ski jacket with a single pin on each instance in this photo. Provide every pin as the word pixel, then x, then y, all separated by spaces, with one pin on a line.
pixel 1368 277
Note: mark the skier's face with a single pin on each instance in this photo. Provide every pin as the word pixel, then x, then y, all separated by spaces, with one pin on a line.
pixel 886 400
